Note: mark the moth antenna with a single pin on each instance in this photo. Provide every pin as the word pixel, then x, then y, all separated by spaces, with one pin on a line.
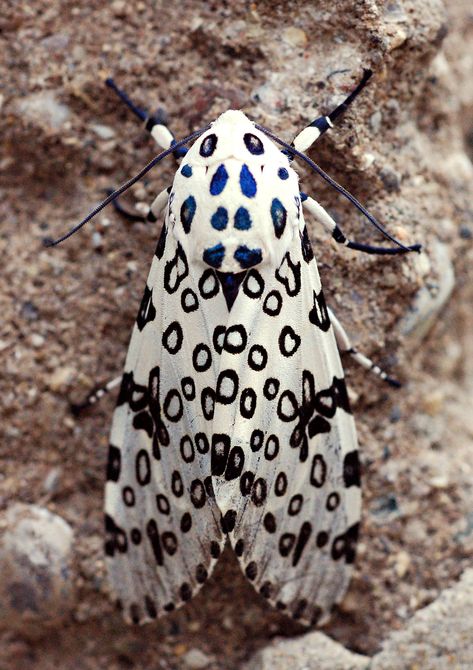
pixel 338 187
pixel 124 187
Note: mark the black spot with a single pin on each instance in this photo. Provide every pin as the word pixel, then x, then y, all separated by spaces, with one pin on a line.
pixel 300 609
pixel 257 357
pixel 218 338
pixel 197 494
pixel 189 300
pixel 272 303
pixel 235 463
pixel 143 421
pixel 227 387
pixel 253 144
pixel 280 605
pixel 316 615
pixel 173 338
pixel 251 570
pixel 143 467
pixel 228 521
pixel 286 543
pixel 253 286
pixel 207 401
pixel 235 339
pixel 318 471
pixel 147 311
pixel 333 501
pixel 220 451
pixel 187 449
pixel 279 217
pixel 295 505
pixel 169 607
pixel 246 482
pixel 239 548
pixel 185 592
pixel 256 440
pixel 259 492
pixel 115 537
pixel 162 503
pixel 202 443
pixel 186 522
pixel 266 590
pixel 351 469
pixel 128 496
pixel 345 544
pixel 201 574
pixel 322 539
pixel 289 341
pixel 159 252
pixel 155 541
pixel 188 209
pixel 214 549
pixel 289 274
pixel 306 246
pixel 318 425
pixel 271 388
pixel 304 535
pixel 201 357
pixel 173 407
pixel 287 406
pixel 134 613
pixel 188 388
pixel 269 522
pixel 319 315
pixel 280 485
pixel 114 464
pixel 175 270
pixel 247 403
pixel 169 541
pixel 271 449
pixel 208 284
pixel 208 145
pixel 150 608
pixel 177 486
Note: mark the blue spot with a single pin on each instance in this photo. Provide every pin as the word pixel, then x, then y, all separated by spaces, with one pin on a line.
pixel 304 196
pixel 188 208
pixel 219 219
pixel 214 255
pixel 247 182
pixel 242 220
pixel 253 144
pixel 219 180
pixel 283 173
pixel 208 145
pixel 279 217
pixel 186 171
pixel 248 257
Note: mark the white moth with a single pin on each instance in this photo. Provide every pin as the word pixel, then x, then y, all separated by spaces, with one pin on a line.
pixel 233 423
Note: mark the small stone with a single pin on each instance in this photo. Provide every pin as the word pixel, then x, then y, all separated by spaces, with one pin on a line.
pixel 29 311
pixel 37 340
pixel 375 121
pixel 432 403
pixel 295 36
pixel 51 481
pixel 104 132
pixel 119 8
pixel 97 240
pixel 61 378
pixel 44 109
pixel 36 585
pixel 402 563
pixel 196 659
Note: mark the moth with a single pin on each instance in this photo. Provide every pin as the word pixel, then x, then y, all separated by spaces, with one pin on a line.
pixel 233 424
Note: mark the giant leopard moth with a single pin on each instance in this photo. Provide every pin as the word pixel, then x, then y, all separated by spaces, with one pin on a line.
pixel 232 421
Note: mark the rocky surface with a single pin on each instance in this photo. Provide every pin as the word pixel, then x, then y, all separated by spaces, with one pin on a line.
pixel 404 150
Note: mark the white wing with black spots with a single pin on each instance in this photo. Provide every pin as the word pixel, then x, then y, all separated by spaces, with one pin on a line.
pixel 163 532
pixel 284 453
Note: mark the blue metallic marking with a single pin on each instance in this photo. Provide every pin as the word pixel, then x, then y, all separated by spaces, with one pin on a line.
pixel 242 220
pixel 247 257
pixel 186 171
pixel 219 219
pixel 188 208
pixel 214 255
pixel 253 144
pixel 208 145
pixel 283 173
pixel 219 180
pixel 279 217
pixel 304 196
pixel 247 182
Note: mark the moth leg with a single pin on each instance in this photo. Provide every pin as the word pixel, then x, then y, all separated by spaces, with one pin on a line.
pixel 321 124
pixel 155 124
pixel 149 215
pixel 95 395
pixel 324 218
pixel 344 344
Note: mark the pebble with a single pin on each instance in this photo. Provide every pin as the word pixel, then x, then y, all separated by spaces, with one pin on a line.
pixel 61 378
pixel 196 659
pixel 104 132
pixel 37 340
pixel 44 109
pixel 36 585
pixel 295 36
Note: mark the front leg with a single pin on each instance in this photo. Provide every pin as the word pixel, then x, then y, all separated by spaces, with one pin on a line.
pixel 321 124
pixel 324 218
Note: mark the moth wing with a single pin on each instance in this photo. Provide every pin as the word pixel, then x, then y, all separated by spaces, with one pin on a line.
pixel 163 532
pixel 287 480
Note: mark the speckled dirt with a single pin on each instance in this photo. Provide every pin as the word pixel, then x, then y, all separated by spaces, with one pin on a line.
pixel 404 150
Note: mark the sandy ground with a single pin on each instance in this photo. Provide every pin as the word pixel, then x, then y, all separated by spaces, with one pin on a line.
pixel 67 313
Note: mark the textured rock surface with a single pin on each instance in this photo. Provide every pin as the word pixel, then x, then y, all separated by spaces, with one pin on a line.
pixel 36 580
pixel 404 150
